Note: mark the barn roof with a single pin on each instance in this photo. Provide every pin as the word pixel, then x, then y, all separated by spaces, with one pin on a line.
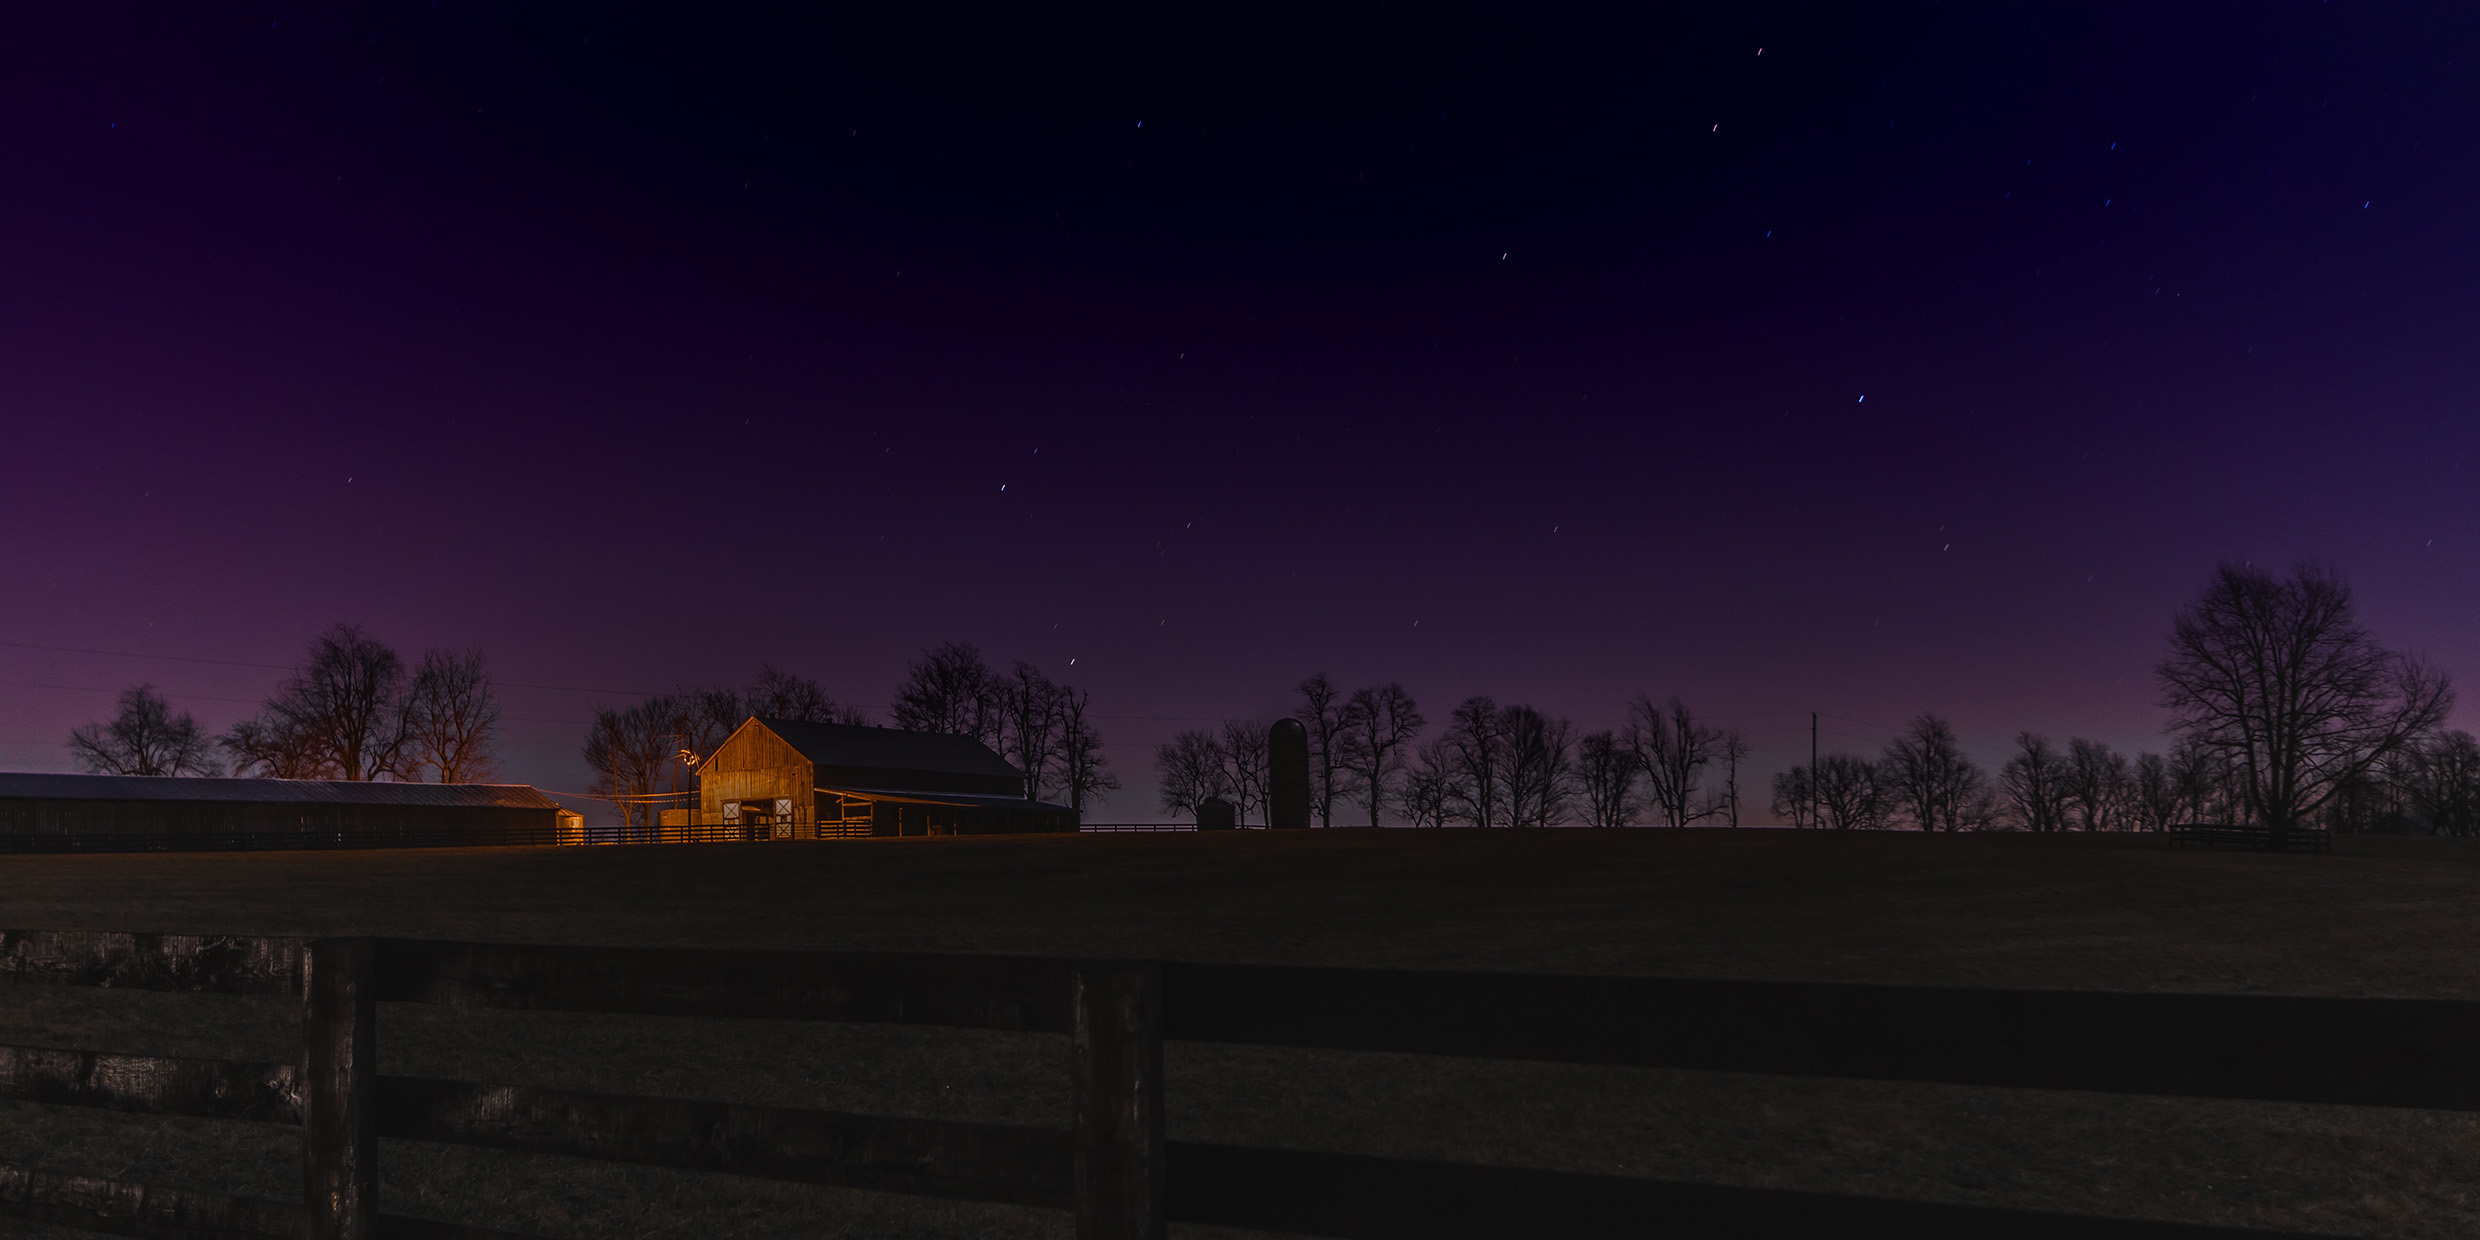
pixel 889 749
pixel 32 786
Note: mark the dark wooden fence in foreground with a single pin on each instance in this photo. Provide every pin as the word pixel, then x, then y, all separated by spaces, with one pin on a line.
pixel 1110 1164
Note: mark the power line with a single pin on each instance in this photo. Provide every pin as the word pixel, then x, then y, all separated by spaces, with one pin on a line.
pixel 130 654
pixel 271 667
pixel 187 697
pixel 617 797
pixel 203 697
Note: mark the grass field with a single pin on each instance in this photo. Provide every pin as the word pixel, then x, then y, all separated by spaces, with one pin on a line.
pixel 2382 917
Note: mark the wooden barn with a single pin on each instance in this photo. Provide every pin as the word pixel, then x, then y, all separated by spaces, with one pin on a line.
pixel 787 780
pixel 46 813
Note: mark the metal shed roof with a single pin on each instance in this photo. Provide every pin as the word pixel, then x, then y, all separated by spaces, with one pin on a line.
pixel 889 749
pixel 31 786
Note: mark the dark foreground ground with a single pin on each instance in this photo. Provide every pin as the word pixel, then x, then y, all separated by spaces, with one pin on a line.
pixel 2383 917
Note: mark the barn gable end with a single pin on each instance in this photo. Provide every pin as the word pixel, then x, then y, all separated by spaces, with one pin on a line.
pixel 755 764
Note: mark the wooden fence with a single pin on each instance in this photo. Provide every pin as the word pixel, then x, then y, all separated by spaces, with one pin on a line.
pixel 2253 836
pixel 255 841
pixel 1110 1164
pixel 408 837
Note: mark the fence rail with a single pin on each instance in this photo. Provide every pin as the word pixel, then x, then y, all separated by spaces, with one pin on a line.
pixel 1110 1163
pixel 268 841
pixel 2254 836
pixel 420 837
pixel 94 1203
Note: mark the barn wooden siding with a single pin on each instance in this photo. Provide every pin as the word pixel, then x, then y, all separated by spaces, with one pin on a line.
pixel 757 765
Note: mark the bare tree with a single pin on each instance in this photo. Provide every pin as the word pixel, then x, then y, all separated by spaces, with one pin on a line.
pixel 1377 727
pixel 2211 781
pixel 1084 772
pixel 2099 787
pixel 1930 781
pixel 1673 748
pixel 1851 794
pixel 1030 725
pixel 2153 801
pixel 1730 749
pixel 2279 677
pixel 449 718
pixel 354 690
pixel 276 748
pixel 683 729
pixel 1475 739
pixel 1539 775
pixel 1606 771
pixel 144 737
pixel 708 717
pixel 951 689
pixel 633 752
pixel 1189 768
pixel 1795 796
pixel 1246 755
pixel 340 716
pixel 2035 783
pixel 1321 712
pixel 1433 789
pixel 779 694
pixel 2376 800
pixel 2192 783
pixel 2445 784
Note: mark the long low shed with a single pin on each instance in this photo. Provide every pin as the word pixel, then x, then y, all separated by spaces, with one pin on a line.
pixel 71 813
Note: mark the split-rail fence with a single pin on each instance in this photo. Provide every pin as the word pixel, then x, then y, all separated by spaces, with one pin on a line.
pixel 1110 1164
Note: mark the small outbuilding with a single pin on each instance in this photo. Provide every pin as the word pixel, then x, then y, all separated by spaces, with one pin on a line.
pixel 67 813
pixel 784 779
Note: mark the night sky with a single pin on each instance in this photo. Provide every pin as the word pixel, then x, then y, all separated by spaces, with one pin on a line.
pixel 1862 360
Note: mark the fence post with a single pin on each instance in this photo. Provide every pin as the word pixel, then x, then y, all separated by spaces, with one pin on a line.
pixel 1119 1102
pixel 340 1078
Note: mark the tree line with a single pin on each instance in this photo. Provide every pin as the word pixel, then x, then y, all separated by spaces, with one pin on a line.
pixel 1492 765
pixel 2285 711
pixel 648 754
pixel 353 710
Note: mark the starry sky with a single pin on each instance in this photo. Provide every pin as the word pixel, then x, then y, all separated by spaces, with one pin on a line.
pixel 1864 360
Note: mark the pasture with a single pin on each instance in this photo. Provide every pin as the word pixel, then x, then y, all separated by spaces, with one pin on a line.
pixel 2381 917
